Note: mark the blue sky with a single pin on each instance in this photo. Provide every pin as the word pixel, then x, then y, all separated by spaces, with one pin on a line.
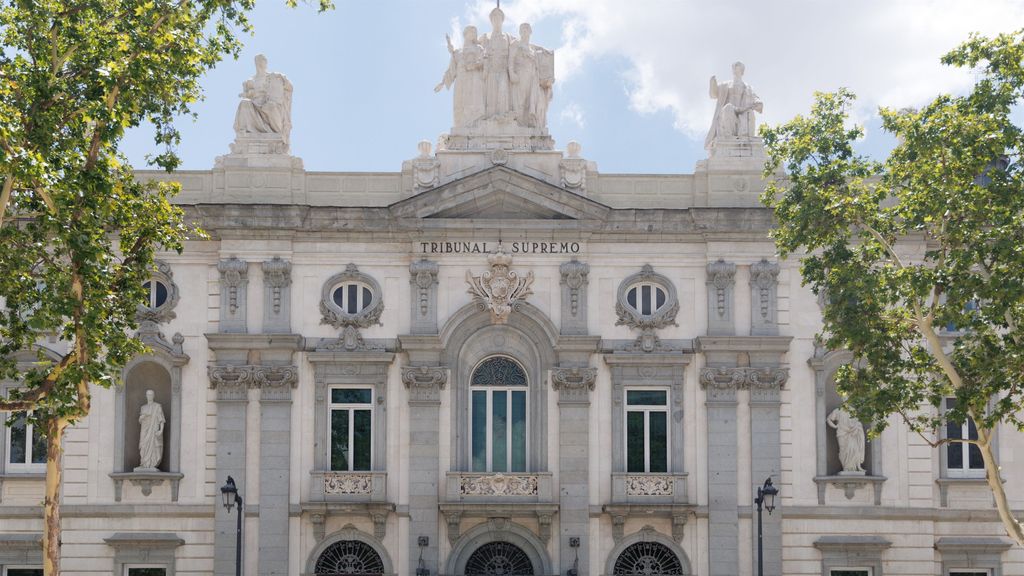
pixel 632 74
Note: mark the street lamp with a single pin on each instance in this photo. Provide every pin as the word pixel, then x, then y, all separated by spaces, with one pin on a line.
pixel 231 497
pixel 766 496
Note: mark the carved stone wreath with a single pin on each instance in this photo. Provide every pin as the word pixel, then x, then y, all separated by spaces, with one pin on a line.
pixel 647 323
pixel 164 312
pixel 335 316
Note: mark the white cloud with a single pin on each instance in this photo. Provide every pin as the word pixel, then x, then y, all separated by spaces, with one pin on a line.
pixel 573 113
pixel 887 51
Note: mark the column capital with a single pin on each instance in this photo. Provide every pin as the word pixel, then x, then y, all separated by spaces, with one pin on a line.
pixel 573 383
pixel 424 383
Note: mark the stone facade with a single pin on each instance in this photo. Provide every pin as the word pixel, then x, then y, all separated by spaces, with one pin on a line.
pixel 403 284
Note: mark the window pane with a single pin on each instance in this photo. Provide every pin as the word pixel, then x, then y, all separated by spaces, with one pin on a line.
pixel 24 572
pixel 351 395
pixel 631 298
pixel 161 295
pixel 38 447
pixel 146 572
pixel 339 297
pixel 479 431
pixel 660 294
pixel 635 442
pixel 367 298
pixel 518 431
pixel 18 447
pixel 362 434
pixel 955 455
pixel 352 291
pixel 148 286
pixel 645 300
pixel 499 431
pixel 646 397
pixel 974 457
pixel 658 432
pixel 849 573
pixel 339 440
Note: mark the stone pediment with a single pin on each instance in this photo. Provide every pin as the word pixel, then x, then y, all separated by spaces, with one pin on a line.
pixel 500 193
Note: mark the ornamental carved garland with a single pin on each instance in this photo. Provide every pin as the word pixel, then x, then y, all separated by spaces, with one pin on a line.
pixel 649 485
pixel 499 289
pixel 348 484
pixel 499 485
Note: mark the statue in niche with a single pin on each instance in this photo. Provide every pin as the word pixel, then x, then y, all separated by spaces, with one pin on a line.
pixel 851 438
pixel 497 98
pixel 151 434
pixel 266 105
pixel 734 108
pixel 466 72
pixel 531 73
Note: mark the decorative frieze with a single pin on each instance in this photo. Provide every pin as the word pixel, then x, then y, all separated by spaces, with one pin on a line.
pixel 721 279
pixel 649 485
pixel 499 289
pixel 498 485
pixel 764 280
pixel 234 282
pixel 277 280
pixel 424 383
pixel 423 279
pixel 574 384
pixel 721 382
pixel 348 484
pixel 574 296
pixel 233 381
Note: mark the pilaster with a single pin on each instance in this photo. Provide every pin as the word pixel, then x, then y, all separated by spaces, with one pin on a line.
pixel 764 306
pixel 721 280
pixel 574 385
pixel 276 384
pixel 423 281
pixel 234 284
pixel 277 281
pixel 574 297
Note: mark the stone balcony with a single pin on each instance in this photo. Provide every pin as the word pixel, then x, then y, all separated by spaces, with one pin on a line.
pixel 634 488
pixel 511 487
pixel 331 486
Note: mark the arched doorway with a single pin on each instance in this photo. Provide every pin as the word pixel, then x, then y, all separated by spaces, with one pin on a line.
pixel 349 558
pixel 499 559
pixel 648 559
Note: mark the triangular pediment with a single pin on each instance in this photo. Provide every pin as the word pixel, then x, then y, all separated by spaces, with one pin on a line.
pixel 499 193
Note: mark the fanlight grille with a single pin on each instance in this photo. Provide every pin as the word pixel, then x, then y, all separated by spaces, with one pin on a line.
pixel 499 371
pixel 647 559
pixel 351 558
pixel 499 559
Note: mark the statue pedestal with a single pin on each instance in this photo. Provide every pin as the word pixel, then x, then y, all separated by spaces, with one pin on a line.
pixel 494 134
pixel 259 151
pixel 737 148
pixel 853 473
pixel 732 173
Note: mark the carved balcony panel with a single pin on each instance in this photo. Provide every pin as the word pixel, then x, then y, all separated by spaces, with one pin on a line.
pixel 329 486
pixel 638 488
pixel 500 487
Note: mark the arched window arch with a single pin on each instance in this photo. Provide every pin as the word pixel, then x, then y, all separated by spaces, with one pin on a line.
pixel 648 558
pixel 499 429
pixel 499 558
pixel 349 557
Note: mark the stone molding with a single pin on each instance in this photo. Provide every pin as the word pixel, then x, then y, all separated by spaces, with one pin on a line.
pixel 573 384
pixel 621 512
pixel 144 548
pixel 424 383
pixel 22 548
pixel 764 281
pixel 849 485
pixel 234 282
pixel 972 554
pixel 378 513
pixel 721 280
pixel 145 481
pixel 232 382
pixel 277 280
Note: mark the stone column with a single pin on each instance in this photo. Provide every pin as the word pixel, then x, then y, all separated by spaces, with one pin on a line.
pixel 424 385
pixel 574 385
pixel 766 456
pixel 720 384
pixel 232 385
pixel 234 284
pixel 423 282
pixel 276 384
pixel 574 297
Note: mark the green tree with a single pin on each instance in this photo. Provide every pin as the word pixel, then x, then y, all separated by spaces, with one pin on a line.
pixel 920 256
pixel 78 233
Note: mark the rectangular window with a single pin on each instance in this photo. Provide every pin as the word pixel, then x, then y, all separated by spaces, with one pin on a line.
pixel 26 448
pixel 498 438
pixel 16 571
pixel 849 572
pixel 970 572
pixel 963 460
pixel 145 571
pixel 351 412
pixel 647 431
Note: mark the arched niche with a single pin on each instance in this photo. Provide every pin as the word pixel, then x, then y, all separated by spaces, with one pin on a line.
pixel 351 534
pixel 529 337
pixel 498 530
pixel 646 534
pixel 160 372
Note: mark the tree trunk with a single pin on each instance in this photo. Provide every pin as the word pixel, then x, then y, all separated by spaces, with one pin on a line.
pixel 995 481
pixel 51 502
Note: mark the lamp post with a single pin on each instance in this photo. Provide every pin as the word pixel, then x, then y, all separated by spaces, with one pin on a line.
pixel 231 497
pixel 766 496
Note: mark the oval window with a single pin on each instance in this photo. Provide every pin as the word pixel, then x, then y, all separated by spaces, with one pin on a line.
pixel 646 297
pixel 157 293
pixel 352 297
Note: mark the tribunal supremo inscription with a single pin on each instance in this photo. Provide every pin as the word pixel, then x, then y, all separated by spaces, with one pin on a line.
pixel 510 247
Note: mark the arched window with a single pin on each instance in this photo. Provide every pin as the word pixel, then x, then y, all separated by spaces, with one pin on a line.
pixel 352 297
pixel 499 558
pixel 349 557
pixel 645 558
pixel 498 401
pixel 646 298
